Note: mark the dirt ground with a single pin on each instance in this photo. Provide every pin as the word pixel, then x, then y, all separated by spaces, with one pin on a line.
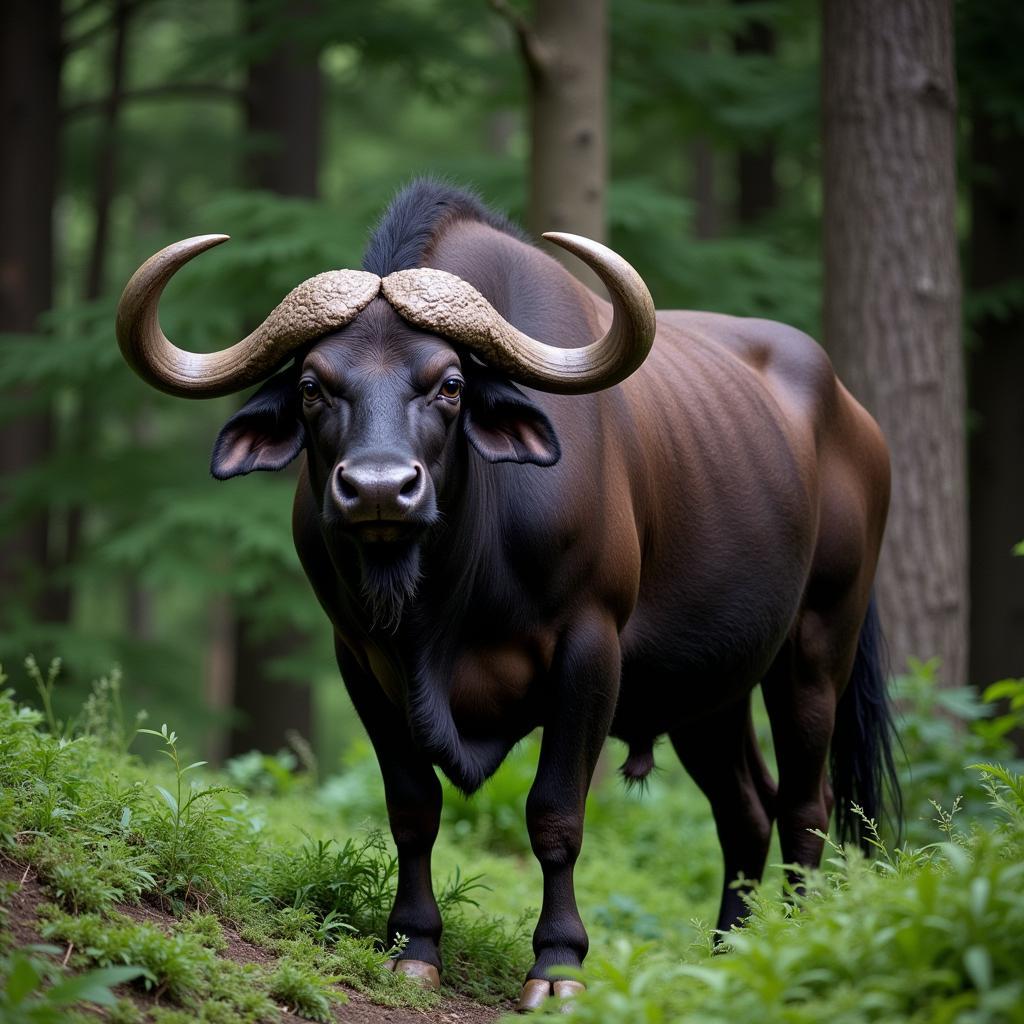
pixel 23 925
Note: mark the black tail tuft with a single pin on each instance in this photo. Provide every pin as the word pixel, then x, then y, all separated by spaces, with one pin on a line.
pixel 862 765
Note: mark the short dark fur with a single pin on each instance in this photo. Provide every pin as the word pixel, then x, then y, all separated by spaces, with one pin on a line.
pixel 630 563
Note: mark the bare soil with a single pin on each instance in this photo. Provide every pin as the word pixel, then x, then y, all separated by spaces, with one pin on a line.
pixel 23 926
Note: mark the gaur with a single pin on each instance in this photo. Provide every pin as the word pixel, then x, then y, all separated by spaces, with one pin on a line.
pixel 511 525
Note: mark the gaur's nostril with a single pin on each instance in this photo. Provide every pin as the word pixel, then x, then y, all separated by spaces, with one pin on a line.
pixel 346 489
pixel 411 486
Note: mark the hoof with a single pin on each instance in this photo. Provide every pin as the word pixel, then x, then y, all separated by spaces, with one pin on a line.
pixel 425 975
pixel 537 990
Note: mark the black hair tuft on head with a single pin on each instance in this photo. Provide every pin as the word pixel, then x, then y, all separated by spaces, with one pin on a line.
pixel 416 214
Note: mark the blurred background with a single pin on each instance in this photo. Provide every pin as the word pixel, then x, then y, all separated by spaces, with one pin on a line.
pixel 715 144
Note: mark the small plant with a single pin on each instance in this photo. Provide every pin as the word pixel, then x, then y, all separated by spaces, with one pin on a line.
pixel 33 990
pixel 184 852
pixel 93 876
pixel 103 714
pixel 302 990
pixel 272 774
pixel 205 928
pixel 1011 691
pixel 44 687
pixel 354 882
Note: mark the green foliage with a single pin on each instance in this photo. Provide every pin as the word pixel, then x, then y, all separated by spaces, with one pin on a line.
pixel 1012 692
pixel 34 991
pixel 205 928
pixel 179 964
pixel 302 991
pixel 942 731
pixel 265 773
pixel 102 830
pixel 90 876
pixel 187 833
pixel 98 842
pixel 932 933
pixel 353 881
pixel 485 957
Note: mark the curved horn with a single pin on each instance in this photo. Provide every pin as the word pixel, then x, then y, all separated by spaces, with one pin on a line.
pixel 445 304
pixel 321 304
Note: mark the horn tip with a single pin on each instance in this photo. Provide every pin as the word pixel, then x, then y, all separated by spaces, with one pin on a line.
pixel 558 237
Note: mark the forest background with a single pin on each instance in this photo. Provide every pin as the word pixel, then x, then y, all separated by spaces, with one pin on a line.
pixel 715 144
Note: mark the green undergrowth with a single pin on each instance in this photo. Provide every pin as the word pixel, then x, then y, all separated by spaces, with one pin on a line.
pixel 930 931
pixel 104 830
pixel 112 816
pixel 929 934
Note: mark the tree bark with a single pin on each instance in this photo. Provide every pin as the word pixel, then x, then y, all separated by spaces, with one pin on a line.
pixel 565 49
pixel 757 189
pixel 284 107
pixel 706 221
pixel 283 112
pixel 66 530
pixel 996 363
pixel 29 91
pixel 892 297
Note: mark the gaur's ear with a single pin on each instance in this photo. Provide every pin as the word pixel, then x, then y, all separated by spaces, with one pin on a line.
pixel 266 433
pixel 503 425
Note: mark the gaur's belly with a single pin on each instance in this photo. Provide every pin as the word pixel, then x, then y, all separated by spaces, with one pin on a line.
pixel 680 667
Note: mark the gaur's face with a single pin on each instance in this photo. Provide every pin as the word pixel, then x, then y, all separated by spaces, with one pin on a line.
pixel 381 402
pixel 383 410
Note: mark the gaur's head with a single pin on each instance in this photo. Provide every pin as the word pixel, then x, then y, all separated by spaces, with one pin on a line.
pixel 390 380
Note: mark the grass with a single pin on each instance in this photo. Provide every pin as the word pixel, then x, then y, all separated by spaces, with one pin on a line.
pixel 930 931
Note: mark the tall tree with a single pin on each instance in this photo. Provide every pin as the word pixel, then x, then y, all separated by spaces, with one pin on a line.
pixel 565 50
pixel 757 190
pixel 283 103
pixel 892 296
pixel 703 193
pixel 68 527
pixel 991 82
pixel 30 61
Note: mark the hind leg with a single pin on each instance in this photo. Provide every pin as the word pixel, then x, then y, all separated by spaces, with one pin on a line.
pixel 722 756
pixel 801 691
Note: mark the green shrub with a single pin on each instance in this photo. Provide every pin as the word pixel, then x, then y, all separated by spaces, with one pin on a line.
pixel 933 933
pixel 88 876
pixel 942 731
pixel 302 990
pixel 354 881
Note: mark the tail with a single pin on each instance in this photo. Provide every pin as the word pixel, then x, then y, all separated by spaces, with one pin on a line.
pixel 862 766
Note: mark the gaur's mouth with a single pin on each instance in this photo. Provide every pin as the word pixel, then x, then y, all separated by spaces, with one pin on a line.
pixel 384 531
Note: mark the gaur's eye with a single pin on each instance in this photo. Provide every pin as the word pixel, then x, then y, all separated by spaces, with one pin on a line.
pixel 309 389
pixel 451 389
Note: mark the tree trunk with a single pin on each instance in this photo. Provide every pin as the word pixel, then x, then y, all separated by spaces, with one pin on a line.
pixel 892 297
pixel 30 59
pixel 283 107
pixel 757 190
pixel 565 49
pixel 996 257
pixel 283 103
pixel 68 527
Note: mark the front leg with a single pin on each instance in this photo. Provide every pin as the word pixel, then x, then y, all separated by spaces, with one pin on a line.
pixel 579 705
pixel 413 796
